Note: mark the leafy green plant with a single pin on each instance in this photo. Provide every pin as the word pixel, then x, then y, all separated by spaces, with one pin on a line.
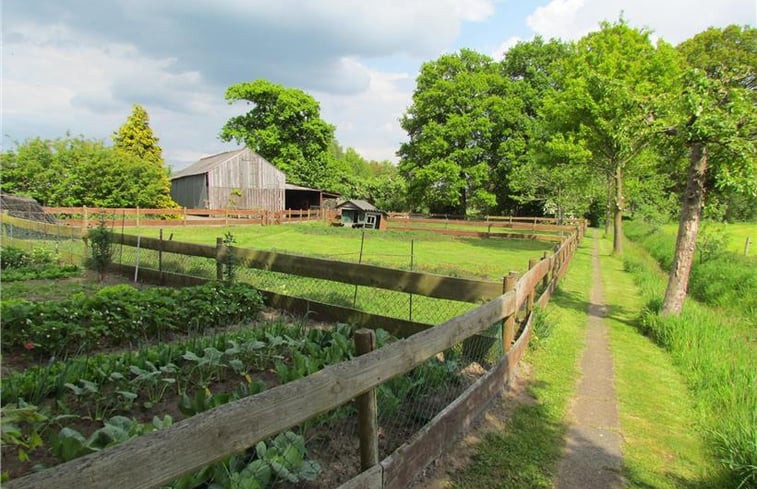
pixel 22 425
pixel 229 271
pixel 69 443
pixel 11 257
pixel 101 248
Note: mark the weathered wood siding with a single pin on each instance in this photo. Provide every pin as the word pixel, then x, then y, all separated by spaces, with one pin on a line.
pixel 190 191
pixel 260 183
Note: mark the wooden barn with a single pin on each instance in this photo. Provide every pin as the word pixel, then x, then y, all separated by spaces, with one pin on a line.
pixel 361 214
pixel 240 179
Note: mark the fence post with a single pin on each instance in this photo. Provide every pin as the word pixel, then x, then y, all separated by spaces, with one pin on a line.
pixel 545 280
pixel 85 219
pixel 137 216
pixel 746 246
pixel 219 258
pixel 184 216
pixel 412 256
pixel 367 424
pixel 532 294
pixel 508 325
pixel 160 258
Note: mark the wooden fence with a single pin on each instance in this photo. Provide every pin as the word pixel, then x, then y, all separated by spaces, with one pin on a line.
pixel 89 216
pixel 159 457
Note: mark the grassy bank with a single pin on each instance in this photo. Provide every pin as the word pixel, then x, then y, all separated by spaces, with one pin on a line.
pixel 716 354
pixel 663 447
pixel 719 277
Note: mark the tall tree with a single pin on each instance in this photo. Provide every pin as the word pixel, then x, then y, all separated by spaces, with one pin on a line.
pixel 285 127
pixel 135 137
pixel 529 172
pixel 458 126
pixel 714 116
pixel 609 87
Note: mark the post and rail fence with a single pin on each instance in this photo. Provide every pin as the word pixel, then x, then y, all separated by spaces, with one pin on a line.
pixel 155 459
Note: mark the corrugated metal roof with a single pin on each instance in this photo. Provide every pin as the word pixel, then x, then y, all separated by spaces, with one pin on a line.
pixel 360 204
pixel 206 164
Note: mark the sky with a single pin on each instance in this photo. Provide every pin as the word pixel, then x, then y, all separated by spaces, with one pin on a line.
pixel 78 66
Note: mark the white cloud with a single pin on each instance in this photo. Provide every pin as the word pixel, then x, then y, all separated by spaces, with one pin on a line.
pixel 503 48
pixel 672 20
pixel 79 65
pixel 369 121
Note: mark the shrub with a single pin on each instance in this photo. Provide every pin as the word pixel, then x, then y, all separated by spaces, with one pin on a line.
pixel 101 249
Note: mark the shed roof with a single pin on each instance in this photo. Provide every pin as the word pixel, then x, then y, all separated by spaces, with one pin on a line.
pixel 360 204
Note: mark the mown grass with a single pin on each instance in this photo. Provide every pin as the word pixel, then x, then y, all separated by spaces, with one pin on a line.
pixel 526 453
pixel 433 253
pixel 716 354
pixel 663 447
pixel 723 279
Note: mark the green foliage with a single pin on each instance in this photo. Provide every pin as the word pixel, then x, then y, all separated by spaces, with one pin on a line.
pixel 285 127
pixel 11 257
pixel 22 424
pixel 78 171
pixel 714 353
pixel 40 263
pixel 101 249
pixel 720 278
pixel 610 88
pixel 715 106
pixel 229 271
pixel 70 444
pixel 458 125
pixel 136 137
pixel 121 314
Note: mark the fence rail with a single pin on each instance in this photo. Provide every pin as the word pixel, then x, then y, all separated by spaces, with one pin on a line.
pixel 157 458
pixel 87 216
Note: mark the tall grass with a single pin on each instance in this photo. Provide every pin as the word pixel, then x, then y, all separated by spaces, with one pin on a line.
pixel 715 352
pixel 718 277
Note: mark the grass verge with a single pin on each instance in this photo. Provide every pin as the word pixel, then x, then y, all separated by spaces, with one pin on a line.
pixel 662 446
pixel 526 453
pixel 716 354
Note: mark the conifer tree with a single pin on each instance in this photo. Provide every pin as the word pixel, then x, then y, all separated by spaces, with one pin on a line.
pixel 135 137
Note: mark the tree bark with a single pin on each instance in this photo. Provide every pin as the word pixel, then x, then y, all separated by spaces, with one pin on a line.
pixel 688 228
pixel 608 210
pixel 617 237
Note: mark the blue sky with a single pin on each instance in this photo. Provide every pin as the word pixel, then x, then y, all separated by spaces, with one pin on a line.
pixel 79 65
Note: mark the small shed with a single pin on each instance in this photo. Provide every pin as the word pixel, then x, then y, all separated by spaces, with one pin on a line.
pixel 240 179
pixel 361 214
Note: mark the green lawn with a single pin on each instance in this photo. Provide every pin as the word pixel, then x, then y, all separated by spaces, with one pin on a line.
pixel 447 255
pixel 735 233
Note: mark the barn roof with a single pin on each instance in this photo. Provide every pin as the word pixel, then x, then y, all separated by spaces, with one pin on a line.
pixel 209 162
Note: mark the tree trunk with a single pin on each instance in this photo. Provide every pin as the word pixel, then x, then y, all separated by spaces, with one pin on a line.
pixel 608 210
pixel 617 237
pixel 688 228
